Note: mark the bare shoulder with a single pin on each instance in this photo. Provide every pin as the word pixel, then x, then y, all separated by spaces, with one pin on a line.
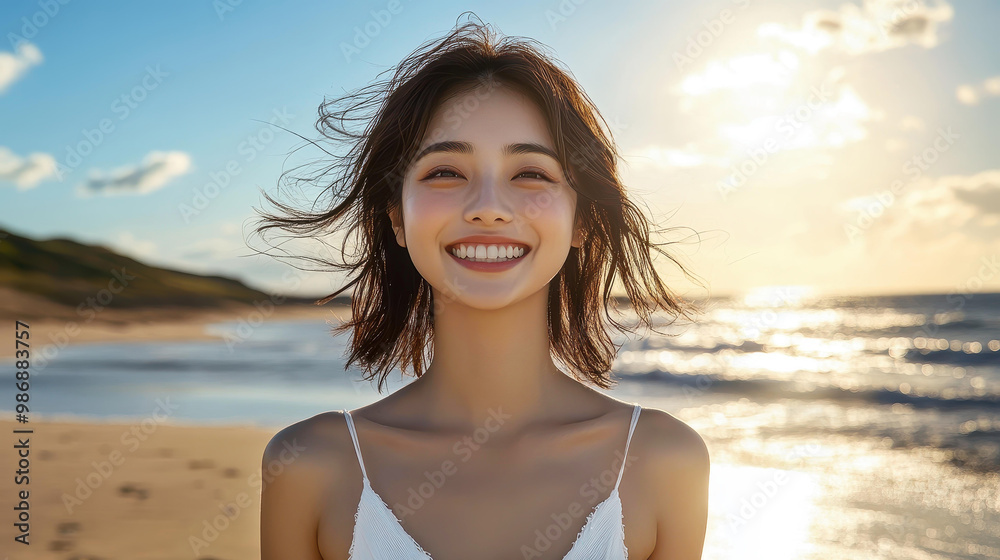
pixel 317 451
pixel 301 465
pixel 313 439
pixel 669 442
pixel 675 474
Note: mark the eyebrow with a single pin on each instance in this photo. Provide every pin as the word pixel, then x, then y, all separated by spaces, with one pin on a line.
pixel 454 146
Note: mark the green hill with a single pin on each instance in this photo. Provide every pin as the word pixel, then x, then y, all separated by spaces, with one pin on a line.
pixel 66 272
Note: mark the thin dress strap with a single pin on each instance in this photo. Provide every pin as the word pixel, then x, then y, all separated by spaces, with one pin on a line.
pixel 631 428
pixel 354 438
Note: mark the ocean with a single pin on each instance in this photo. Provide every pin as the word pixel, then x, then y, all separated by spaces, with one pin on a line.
pixel 839 427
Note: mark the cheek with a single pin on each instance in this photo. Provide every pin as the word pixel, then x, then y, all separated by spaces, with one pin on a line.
pixel 551 211
pixel 426 214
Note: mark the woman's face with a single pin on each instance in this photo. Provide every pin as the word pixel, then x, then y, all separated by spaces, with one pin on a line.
pixel 490 180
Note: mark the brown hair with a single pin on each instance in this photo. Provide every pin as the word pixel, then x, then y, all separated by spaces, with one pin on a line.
pixel 392 305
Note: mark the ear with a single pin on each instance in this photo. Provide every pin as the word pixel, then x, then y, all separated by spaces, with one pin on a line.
pixel 397 226
pixel 578 234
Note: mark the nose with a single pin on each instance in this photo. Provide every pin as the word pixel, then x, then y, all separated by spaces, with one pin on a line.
pixel 488 202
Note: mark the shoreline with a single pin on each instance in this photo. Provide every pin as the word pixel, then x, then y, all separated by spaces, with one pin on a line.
pixel 144 325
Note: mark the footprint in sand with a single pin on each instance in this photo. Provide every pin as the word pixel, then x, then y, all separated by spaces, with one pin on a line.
pixel 201 464
pixel 60 545
pixel 133 490
pixel 67 437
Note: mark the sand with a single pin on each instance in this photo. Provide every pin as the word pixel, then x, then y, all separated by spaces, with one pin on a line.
pixel 139 490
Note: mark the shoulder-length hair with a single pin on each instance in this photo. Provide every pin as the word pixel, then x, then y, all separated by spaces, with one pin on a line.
pixel 392 306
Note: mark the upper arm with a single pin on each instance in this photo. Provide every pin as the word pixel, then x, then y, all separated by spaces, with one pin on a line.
pixel 679 477
pixel 289 504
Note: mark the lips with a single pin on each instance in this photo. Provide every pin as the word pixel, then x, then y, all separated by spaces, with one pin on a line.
pixel 488 240
pixel 481 266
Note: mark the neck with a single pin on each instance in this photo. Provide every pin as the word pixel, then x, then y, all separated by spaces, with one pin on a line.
pixel 492 361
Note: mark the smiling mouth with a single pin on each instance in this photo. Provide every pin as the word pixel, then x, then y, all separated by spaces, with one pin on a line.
pixel 483 253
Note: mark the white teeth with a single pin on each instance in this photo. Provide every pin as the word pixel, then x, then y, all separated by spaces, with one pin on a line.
pixel 487 253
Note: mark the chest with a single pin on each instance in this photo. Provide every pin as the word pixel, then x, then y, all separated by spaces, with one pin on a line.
pixel 491 503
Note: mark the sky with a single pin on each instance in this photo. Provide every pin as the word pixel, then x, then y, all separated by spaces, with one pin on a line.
pixel 827 147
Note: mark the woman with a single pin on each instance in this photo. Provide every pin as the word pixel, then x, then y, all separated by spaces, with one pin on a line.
pixel 490 213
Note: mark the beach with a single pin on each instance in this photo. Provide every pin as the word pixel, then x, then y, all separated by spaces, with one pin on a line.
pixel 149 488
pixel 841 429
pixel 136 490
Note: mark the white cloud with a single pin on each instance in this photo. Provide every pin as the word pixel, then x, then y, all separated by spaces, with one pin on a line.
pixel 25 172
pixel 878 25
pixel 13 66
pixel 769 102
pixel 829 123
pixel 156 170
pixel 970 94
pixel 932 208
pixel 742 72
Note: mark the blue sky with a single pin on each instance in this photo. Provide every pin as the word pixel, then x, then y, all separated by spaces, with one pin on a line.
pixel 695 90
